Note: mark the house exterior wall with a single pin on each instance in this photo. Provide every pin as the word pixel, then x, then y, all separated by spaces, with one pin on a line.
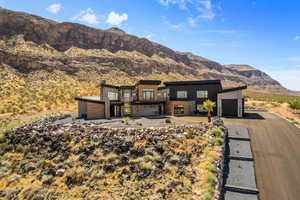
pixel 140 88
pixel 212 90
pixel 189 107
pixel 231 95
pixel 145 110
pixel 95 110
pixel 81 109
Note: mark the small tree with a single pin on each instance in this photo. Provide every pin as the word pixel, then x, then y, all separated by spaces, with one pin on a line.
pixel 209 106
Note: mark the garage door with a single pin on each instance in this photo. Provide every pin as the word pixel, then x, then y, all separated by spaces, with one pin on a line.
pixel 230 107
pixel 148 110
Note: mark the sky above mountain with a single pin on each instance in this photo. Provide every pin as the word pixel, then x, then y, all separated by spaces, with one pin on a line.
pixel 262 33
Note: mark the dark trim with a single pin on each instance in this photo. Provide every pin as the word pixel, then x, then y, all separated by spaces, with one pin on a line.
pixel 110 86
pixel 161 88
pixel 116 103
pixel 89 100
pixel 200 82
pixel 147 102
pixel 234 89
pixel 150 82
pixel 132 87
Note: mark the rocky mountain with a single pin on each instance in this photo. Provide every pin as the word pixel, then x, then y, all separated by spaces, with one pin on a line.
pixel 37 52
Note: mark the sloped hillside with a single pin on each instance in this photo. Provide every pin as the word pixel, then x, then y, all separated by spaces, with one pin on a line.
pixel 45 64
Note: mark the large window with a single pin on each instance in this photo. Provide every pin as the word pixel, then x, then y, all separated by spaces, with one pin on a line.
pixel 113 96
pixel 148 94
pixel 178 109
pixel 182 94
pixel 202 94
pixel 127 95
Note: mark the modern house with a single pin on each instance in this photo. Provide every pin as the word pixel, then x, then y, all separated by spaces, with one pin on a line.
pixel 149 98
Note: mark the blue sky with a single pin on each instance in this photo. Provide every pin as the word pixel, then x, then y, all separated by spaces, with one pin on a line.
pixel 261 33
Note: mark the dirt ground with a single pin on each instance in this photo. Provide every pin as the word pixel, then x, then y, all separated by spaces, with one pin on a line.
pixel 275 145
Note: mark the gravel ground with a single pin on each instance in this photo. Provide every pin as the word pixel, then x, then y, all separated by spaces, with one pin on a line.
pixel 139 122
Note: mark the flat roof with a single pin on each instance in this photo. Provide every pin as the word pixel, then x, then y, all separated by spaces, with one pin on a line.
pixel 127 87
pixel 150 82
pixel 94 99
pixel 200 82
pixel 234 89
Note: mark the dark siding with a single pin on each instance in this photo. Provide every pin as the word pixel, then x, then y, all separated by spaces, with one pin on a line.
pixel 212 89
pixel 230 107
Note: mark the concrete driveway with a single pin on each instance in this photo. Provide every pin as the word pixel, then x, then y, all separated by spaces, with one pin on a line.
pixel 275 144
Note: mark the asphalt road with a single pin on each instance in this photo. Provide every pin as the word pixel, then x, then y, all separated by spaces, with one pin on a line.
pixel 275 145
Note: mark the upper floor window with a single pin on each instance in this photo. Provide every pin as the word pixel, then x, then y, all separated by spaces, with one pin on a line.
pixel 148 94
pixel 202 94
pixel 113 96
pixel 182 94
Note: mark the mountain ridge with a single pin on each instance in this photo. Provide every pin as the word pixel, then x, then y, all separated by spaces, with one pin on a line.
pixel 142 57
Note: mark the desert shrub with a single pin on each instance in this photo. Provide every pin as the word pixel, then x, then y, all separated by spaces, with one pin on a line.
pixel 211 181
pixel 174 159
pixel 21 148
pixel 216 132
pixel 168 121
pixel 146 165
pixel 125 120
pixel 207 197
pixel 293 120
pixel 208 165
pixel 12 136
pixel 218 141
pixel 67 135
pixel 4 147
pixel 2 137
pixel 207 150
pixel 294 104
pixel 190 133
pixel 200 137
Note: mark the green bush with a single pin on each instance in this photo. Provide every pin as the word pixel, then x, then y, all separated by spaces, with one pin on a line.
pixel 294 104
pixel 168 121
pixel 216 132
pixel 218 141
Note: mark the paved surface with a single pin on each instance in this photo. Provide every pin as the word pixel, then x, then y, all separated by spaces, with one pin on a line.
pixel 239 166
pixel 275 145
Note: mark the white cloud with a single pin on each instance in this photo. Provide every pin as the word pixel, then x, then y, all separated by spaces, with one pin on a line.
pixel 177 27
pixel 87 16
pixel 294 59
pixel 206 11
pixel 201 9
pixel 54 8
pixel 181 3
pixel 116 19
pixel 288 78
pixel 192 21
pixel 297 37
pixel 149 36
pixel 220 31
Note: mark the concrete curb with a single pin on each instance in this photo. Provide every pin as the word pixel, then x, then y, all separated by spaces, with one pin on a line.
pixel 238 168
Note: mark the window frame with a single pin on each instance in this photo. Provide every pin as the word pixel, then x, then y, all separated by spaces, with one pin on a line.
pixel 146 92
pixel 115 94
pixel 204 94
pixel 183 92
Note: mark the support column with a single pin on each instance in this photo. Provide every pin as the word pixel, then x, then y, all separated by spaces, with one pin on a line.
pixel 219 104
pixel 240 107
